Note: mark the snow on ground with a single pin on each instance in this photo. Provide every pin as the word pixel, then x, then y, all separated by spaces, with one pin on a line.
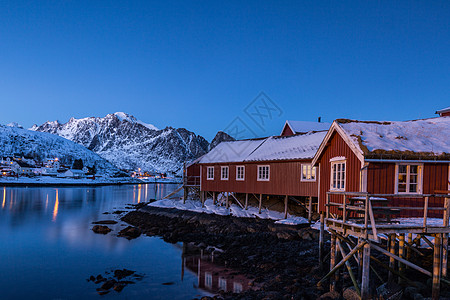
pixel 234 210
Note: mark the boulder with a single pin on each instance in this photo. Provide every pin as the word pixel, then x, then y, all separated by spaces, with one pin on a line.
pixel 101 229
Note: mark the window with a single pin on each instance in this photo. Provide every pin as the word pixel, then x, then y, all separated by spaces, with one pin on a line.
pixel 208 279
pixel 240 172
pixel 223 284
pixel 224 173
pixel 210 173
pixel 408 179
pixel 237 287
pixel 263 173
pixel 308 173
pixel 337 176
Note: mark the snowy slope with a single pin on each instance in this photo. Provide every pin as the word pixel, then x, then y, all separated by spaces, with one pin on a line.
pixel 130 143
pixel 39 144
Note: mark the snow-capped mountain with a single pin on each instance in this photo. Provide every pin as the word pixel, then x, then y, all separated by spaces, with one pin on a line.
pixel 131 144
pixel 44 145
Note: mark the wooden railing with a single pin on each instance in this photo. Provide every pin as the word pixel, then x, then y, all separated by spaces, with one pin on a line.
pixel 191 181
pixel 365 210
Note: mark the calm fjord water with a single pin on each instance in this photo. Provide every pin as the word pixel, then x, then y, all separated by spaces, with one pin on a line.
pixel 48 250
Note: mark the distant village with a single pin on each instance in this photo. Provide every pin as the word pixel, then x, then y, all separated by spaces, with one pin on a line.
pixel 17 165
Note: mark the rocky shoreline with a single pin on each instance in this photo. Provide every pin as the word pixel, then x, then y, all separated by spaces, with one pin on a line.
pixel 280 259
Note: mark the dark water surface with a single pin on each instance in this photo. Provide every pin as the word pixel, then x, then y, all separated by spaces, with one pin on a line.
pixel 48 250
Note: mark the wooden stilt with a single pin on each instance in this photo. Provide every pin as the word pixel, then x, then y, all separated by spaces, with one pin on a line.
pixel 310 209
pixel 391 259
pixel 401 253
pixel 228 200
pixel 408 252
pixel 445 237
pixel 360 260
pixel 321 239
pixel 333 261
pixel 349 268
pixel 260 203
pixel 246 201
pixel 365 289
pixel 436 268
pixel 285 206
pixel 185 194
pixel 203 196
pixel 214 198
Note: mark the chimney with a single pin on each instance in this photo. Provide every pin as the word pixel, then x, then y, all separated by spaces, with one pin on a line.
pixel 318 119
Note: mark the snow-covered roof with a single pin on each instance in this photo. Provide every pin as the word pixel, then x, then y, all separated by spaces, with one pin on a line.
pixel 444 110
pixel 231 151
pixel 305 126
pixel 407 139
pixel 288 147
pixel 267 149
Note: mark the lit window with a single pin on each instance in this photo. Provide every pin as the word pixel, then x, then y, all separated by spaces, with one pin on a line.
pixel 210 173
pixel 408 179
pixel 338 176
pixel 263 173
pixel 308 173
pixel 224 173
pixel 240 172
pixel 237 287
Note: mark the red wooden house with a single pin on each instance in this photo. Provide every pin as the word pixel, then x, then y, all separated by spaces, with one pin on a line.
pixel 278 166
pixel 444 112
pixel 397 158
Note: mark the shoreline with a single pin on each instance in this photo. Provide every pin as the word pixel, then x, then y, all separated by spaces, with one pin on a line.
pixel 71 184
pixel 272 255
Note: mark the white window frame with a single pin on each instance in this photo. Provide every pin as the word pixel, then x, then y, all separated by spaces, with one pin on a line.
pixel 309 168
pixel 222 173
pixel 408 178
pixel 259 178
pixel 208 173
pixel 208 279
pixel 222 284
pixel 237 173
pixel 343 182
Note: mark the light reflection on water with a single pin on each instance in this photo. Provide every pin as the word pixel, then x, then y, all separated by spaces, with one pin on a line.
pixel 48 249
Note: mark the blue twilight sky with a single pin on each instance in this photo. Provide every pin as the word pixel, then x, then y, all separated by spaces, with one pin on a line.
pixel 198 64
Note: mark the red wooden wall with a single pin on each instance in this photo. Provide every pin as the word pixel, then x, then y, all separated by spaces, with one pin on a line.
pixel 338 147
pixel 287 131
pixel 284 179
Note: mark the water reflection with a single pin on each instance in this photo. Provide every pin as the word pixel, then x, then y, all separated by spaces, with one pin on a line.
pixel 212 277
pixel 48 248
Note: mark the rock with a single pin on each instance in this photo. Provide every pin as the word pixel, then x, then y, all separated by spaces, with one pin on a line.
pixel 130 232
pixel 92 278
pixel 101 229
pixel 350 294
pixel 105 222
pixel 168 283
pixel 108 284
pixel 286 235
pixel 330 296
pixel 120 274
pixel 118 287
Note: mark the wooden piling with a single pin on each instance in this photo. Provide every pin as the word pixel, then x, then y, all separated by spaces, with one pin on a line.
pixel 285 206
pixel 401 253
pixel 436 268
pixel 321 239
pixel 246 201
pixel 310 209
pixel 391 259
pixel 228 200
pixel 214 198
pixel 365 290
pixel 333 261
pixel 260 203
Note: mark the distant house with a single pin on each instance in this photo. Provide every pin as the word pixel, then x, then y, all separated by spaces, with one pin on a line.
pixel 391 158
pixel 72 173
pixel 301 127
pixel 20 167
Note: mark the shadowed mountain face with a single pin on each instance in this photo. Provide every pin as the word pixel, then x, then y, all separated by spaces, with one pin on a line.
pixel 130 143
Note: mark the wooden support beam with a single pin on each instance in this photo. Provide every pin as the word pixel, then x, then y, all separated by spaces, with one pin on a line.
pixel 286 206
pixel 333 260
pixel 365 288
pixel 238 202
pixel 349 267
pixel 423 237
pixel 391 258
pixel 246 201
pixel 401 253
pixel 310 209
pixel 228 200
pixel 425 214
pixel 410 264
pixel 435 291
pixel 260 203
pixel 342 262
pixel 185 194
pixel 321 239
pixel 203 196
